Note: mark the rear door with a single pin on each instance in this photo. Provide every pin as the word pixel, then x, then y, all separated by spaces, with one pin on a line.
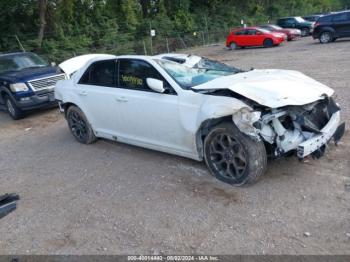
pixel 239 37
pixel 341 23
pixel 95 94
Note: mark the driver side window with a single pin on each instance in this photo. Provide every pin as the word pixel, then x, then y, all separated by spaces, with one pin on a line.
pixel 133 74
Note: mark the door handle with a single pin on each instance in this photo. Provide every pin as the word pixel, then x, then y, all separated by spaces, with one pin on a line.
pixel 121 99
pixel 82 93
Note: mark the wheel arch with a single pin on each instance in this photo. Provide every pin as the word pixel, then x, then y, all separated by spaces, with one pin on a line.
pixel 204 130
pixel 235 42
pixel 268 38
pixel 4 92
pixel 327 29
pixel 67 105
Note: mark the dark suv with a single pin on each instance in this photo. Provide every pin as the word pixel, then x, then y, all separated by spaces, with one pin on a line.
pixel 330 27
pixel 306 27
pixel 26 82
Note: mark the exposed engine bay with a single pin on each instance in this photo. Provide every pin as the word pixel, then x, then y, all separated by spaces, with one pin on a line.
pixel 302 129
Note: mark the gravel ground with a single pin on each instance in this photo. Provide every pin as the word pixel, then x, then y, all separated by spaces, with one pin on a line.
pixel 111 198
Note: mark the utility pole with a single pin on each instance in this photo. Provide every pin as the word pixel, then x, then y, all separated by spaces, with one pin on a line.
pixel 167 44
pixel 150 32
pixel 144 47
pixel 206 26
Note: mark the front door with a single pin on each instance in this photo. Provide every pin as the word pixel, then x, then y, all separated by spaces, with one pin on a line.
pixel 145 117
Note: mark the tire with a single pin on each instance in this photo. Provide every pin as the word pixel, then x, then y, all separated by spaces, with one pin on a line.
pixel 14 112
pixel 79 126
pixel 326 37
pixel 234 157
pixel 268 43
pixel 305 31
pixel 233 46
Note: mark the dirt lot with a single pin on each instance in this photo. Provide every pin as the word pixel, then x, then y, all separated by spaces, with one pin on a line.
pixel 110 198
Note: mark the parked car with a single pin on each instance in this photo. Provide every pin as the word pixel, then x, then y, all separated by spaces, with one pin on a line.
pixel 311 18
pixel 231 120
pixel 305 27
pixel 290 32
pixel 254 36
pixel 330 27
pixel 27 82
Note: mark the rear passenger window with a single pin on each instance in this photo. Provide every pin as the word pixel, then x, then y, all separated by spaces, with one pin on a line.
pixel 325 19
pixel 100 73
pixel 250 32
pixel 241 32
pixel 340 17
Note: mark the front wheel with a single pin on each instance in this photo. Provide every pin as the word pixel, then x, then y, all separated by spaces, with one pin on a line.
pixel 234 157
pixel 268 43
pixel 12 109
pixel 79 126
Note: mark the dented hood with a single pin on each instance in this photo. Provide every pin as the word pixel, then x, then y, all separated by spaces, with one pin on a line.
pixel 273 87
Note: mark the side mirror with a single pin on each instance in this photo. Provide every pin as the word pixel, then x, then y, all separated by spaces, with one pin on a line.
pixel 155 85
pixel 258 33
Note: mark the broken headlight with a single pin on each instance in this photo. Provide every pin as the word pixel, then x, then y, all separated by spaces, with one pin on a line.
pixel 244 119
pixel 246 116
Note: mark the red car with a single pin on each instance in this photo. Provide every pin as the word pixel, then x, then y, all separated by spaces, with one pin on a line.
pixel 254 36
pixel 290 32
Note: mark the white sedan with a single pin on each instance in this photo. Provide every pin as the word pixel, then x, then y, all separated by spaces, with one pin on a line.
pixel 230 118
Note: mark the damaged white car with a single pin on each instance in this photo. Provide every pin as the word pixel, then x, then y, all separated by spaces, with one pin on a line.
pixel 230 118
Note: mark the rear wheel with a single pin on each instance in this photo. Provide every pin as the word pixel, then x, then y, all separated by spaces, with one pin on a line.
pixel 233 46
pixel 268 43
pixel 232 156
pixel 79 126
pixel 305 31
pixel 326 37
pixel 12 109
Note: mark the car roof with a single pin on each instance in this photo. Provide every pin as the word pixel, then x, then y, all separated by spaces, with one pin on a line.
pixel 188 59
pixel 268 25
pixel 339 12
pixel 244 28
pixel 334 13
pixel 287 17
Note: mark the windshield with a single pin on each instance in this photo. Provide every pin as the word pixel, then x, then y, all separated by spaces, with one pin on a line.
pixel 188 77
pixel 276 27
pixel 299 19
pixel 16 62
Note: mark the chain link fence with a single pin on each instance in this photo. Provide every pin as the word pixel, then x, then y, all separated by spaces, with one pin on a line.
pixel 55 50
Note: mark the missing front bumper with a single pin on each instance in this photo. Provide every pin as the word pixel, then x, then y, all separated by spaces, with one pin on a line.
pixel 318 142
